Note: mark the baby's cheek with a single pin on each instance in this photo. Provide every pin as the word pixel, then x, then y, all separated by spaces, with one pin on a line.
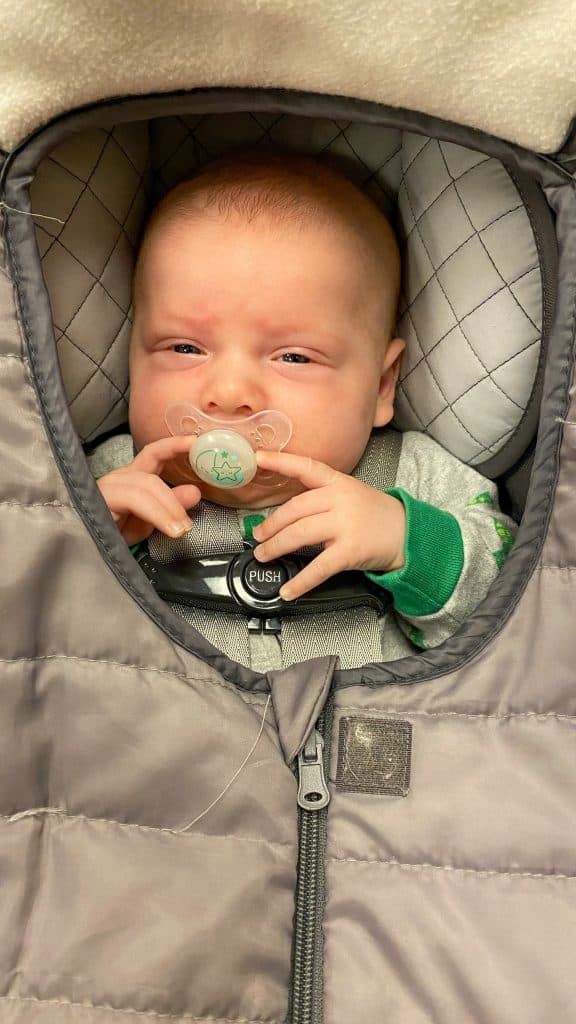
pixel 337 452
pixel 146 424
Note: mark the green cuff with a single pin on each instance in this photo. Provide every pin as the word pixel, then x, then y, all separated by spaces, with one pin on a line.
pixel 249 523
pixel 433 559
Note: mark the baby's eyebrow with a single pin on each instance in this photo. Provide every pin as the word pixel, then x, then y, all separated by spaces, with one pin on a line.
pixel 187 321
pixel 302 332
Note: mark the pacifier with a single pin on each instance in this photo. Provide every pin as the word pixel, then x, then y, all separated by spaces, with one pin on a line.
pixel 223 453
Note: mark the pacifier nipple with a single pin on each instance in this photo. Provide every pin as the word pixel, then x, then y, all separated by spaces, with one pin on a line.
pixel 223 453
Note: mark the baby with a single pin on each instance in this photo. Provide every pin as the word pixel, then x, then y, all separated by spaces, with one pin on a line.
pixel 271 282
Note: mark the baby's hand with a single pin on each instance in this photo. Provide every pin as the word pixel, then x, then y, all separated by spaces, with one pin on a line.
pixel 358 526
pixel 141 502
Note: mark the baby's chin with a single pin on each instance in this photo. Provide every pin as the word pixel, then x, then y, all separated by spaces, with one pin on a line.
pixel 251 496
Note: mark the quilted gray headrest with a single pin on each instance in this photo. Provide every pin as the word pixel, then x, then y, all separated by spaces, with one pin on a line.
pixel 471 309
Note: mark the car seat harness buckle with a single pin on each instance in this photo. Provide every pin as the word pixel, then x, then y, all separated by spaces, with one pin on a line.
pixel 240 584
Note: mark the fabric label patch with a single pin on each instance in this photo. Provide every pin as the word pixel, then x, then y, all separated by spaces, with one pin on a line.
pixel 374 756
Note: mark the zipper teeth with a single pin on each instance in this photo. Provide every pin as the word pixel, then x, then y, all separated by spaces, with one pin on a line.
pixel 307 995
pixel 304 950
pixel 317 992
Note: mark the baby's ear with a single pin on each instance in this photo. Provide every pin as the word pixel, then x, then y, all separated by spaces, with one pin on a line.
pixel 388 380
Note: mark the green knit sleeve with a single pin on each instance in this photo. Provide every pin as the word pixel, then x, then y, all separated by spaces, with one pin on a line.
pixel 433 559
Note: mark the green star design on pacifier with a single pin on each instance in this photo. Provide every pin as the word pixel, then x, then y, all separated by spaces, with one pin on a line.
pixel 223 458
pixel 224 472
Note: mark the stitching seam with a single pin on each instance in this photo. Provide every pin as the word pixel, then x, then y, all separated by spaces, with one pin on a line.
pixel 140 1013
pixel 541 715
pixel 209 680
pixel 13 819
pixel 38 504
pixel 481 873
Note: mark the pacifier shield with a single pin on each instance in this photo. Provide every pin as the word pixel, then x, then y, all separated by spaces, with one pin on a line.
pixel 223 452
pixel 223 458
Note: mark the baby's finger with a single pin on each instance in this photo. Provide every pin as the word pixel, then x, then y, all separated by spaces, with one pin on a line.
pixel 146 497
pixel 154 456
pixel 306 504
pixel 302 467
pixel 187 494
pixel 316 572
pixel 303 533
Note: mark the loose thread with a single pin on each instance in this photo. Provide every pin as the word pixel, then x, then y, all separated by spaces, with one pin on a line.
pixel 32 812
pixel 234 777
pixel 25 213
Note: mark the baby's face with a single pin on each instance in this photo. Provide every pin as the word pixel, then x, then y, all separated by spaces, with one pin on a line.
pixel 237 317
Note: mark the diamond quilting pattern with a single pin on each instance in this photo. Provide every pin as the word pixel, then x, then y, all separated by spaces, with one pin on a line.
pixel 468 247
pixel 471 308
pixel 96 184
pixel 182 145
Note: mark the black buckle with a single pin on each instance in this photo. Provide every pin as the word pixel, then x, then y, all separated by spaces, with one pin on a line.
pixel 255 585
pixel 240 584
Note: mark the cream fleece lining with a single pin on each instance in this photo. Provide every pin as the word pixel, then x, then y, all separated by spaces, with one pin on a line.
pixel 505 66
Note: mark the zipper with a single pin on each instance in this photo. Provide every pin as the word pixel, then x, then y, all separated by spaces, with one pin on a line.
pixel 313 800
pixel 313 792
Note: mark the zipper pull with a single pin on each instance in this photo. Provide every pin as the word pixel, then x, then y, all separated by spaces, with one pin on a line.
pixel 313 792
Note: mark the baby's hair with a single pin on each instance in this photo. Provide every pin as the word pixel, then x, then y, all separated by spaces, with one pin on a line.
pixel 288 188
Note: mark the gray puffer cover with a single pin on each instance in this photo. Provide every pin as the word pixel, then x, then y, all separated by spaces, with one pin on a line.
pixel 145 877
pixel 453 904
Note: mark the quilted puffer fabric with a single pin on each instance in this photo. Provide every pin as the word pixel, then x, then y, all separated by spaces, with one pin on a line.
pixel 148 828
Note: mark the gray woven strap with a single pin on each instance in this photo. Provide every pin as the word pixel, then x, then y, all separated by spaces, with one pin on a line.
pixel 354 634
pixel 379 464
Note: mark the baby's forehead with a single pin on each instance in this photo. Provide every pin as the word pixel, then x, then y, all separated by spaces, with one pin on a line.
pixel 329 224
pixel 335 214
pixel 282 188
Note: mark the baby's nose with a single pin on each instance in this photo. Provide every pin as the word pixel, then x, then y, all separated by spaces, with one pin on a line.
pixel 232 393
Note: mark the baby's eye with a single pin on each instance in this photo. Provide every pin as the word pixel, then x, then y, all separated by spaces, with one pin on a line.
pixel 294 357
pixel 187 348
